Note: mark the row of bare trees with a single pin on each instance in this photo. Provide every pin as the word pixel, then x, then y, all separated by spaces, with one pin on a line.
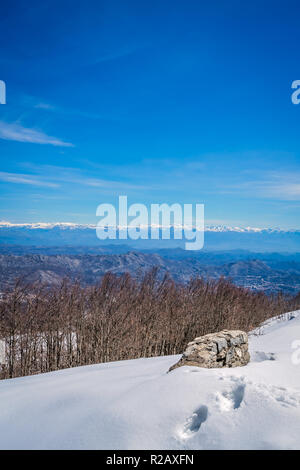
pixel 48 329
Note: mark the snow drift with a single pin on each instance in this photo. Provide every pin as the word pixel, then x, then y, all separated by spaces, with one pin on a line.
pixel 138 405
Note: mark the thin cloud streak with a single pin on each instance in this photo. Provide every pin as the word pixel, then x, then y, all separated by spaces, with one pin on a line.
pixel 17 178
pixel 18 133
pixel 76 176
pixel 272 185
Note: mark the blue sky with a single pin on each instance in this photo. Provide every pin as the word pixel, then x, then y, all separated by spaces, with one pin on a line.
pixel 167 101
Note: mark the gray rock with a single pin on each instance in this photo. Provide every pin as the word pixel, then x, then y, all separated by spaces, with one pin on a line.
pixel 228 348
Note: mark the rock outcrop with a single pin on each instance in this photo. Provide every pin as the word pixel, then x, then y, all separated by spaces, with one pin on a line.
pixel 228 348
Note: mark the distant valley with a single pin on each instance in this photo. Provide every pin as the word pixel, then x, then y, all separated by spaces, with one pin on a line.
pixel 271 273
pixel 259 259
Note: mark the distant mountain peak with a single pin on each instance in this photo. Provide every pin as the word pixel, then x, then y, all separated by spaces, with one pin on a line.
pixel 71 225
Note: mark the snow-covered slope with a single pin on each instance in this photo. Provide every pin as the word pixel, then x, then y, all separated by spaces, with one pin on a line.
pixel 137 405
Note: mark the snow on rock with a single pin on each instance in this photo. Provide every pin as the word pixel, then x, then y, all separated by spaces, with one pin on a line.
pixel 227 348
pixel 138 405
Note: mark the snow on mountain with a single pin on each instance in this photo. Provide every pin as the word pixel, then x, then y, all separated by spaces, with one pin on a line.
pixel 138 405
pixel 70 225
pixel 45 225
pixel 215 238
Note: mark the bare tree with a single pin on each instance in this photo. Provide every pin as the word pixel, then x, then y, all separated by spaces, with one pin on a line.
pixel 46 329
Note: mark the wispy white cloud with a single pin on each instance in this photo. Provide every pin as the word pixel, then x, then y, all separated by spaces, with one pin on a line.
pixel 18 133
pixel 18 178
pixel 46 106
pixel 283 186
pixel 100 183
pixel 75 176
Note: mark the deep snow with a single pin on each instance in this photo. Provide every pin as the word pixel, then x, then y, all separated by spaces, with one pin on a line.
pixel 138 405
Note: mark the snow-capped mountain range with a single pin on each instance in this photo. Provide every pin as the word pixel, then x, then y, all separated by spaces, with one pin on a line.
pixel 208 228
pixel 216 237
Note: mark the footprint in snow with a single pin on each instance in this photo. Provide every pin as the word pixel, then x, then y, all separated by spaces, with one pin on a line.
pixel 283 396
pixel 231 399
pixel 194 422
pixel 261 356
